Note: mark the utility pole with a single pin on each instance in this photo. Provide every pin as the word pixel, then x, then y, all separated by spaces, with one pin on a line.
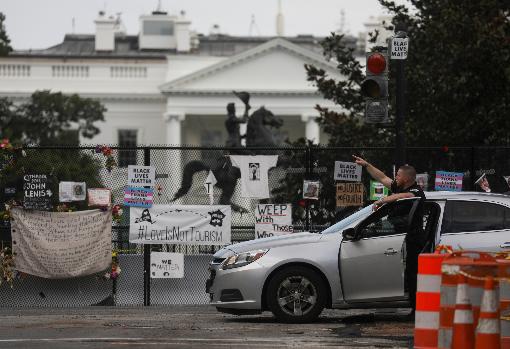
pixel 399 49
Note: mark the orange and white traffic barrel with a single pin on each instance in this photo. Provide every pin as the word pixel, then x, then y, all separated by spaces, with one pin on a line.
pixel 487 331
pixel 504 300
pixel 475 265
pixel 428 300
pixel 463 330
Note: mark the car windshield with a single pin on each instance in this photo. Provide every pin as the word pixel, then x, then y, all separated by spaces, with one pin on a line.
pixel 348 220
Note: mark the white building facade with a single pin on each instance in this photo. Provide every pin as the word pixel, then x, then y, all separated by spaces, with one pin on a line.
pixel 170 86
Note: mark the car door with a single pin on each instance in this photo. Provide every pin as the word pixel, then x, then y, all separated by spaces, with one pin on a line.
pixel 371 265
pixel 476 225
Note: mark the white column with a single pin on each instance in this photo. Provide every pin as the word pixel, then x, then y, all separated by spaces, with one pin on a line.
pixel 173 127
pixel 173 158
pixel 312 129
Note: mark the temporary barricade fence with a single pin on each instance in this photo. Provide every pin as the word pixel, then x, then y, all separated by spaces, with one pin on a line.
pixel 285 184
pixel 473 310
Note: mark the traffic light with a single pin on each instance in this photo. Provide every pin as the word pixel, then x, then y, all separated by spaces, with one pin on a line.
pixel 375 87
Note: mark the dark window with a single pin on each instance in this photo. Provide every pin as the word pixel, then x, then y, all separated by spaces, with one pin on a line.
pixel 466 216
pixel 127 139
pixel 211 138
pixel 158 28
pixel 388 220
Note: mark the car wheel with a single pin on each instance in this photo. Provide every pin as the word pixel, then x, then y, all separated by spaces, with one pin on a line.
pixel 296 295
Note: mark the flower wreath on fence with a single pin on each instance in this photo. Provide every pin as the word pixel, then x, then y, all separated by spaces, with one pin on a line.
pixel 8 272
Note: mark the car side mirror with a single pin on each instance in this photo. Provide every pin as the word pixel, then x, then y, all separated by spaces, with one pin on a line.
pixel 349 234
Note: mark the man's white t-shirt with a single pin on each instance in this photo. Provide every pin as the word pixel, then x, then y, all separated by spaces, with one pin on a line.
pixel 254 177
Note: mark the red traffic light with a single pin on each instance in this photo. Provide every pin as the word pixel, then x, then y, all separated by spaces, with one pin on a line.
pixel 376 63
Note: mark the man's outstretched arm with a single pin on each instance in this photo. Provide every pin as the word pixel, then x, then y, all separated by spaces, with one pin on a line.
pixel 376 174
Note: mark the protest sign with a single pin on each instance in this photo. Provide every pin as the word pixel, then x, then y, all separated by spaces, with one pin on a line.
pixel 181 224
pixel 138 197
pixel 349 194
pixel 36 192
pixel 377 191
pixel 167 265
pixel 347 171
pixel 72 191
pixel 272 220
pixel 311 190
pixel 422 179
pixel 59 245
pixel 99 197
pixel 449 181
pixel 141 176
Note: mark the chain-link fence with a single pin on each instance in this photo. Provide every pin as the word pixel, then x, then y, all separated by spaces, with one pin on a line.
pixel 176 166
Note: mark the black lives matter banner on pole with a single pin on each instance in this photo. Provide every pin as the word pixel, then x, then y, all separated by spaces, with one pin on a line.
pixel 36 192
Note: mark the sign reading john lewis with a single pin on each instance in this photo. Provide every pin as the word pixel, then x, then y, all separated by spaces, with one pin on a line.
pixel 36 192
pixel 347 171
pixel 141 176
pixel 181 224
pixel 272 220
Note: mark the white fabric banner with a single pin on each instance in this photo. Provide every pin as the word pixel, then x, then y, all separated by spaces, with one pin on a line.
pixel 59 245
pixel 180 224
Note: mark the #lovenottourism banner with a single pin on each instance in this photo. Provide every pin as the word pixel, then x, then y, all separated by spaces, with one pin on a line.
pixel 59 245
pixel 180 224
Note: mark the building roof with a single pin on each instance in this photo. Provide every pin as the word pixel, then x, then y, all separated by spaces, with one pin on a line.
pixel 126 46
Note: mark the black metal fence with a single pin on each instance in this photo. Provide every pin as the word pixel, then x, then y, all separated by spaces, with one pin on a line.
pixel 134 286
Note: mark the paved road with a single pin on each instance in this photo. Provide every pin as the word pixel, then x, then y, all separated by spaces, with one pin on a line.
pixel 196 327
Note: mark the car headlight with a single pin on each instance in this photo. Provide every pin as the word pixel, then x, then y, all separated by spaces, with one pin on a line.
pixel 242 259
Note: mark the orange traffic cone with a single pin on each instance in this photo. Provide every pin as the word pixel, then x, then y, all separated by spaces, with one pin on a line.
pixel 463 332
pixel 487 331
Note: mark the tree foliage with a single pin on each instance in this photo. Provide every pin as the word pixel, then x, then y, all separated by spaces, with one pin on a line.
pixel 5 46
pixel 50 118
pixel 458 75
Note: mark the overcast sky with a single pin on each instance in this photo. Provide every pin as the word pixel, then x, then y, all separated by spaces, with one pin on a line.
pixel 43 23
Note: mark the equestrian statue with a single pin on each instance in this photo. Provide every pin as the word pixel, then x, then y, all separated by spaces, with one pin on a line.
pixel 259 134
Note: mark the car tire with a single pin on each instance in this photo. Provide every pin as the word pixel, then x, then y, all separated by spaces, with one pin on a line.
pixel 296 295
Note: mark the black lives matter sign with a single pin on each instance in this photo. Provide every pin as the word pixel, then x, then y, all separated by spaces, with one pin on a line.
pixel 36 192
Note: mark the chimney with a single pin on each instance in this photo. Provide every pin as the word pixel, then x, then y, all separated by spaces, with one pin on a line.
pixel 105 32
pixel 279 20
pixel 182 33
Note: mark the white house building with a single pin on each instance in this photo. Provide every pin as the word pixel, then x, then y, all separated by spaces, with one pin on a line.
pixel 169 85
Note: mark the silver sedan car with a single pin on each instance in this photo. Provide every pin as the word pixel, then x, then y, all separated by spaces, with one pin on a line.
pixel 356 263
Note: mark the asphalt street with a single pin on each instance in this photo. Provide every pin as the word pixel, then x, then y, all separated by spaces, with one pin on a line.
pixel 197 327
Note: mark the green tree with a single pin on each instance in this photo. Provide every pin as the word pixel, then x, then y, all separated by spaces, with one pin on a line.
pixel 49 119
pixel 5 46
pixel 458 75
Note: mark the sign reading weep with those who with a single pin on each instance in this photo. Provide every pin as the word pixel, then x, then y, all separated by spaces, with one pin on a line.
pixel 347 171
pixel 180 224
pixel 138 197
pixel 59 245
pixel 141 176
pixel 167 265
pixel 449 181
pixel 349 194
pixel 273 219
pixel 37 193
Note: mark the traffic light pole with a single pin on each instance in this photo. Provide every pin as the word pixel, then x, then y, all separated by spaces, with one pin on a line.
pixel 401 106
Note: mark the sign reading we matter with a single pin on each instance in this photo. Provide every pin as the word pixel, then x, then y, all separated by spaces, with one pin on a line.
pixel 59 245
